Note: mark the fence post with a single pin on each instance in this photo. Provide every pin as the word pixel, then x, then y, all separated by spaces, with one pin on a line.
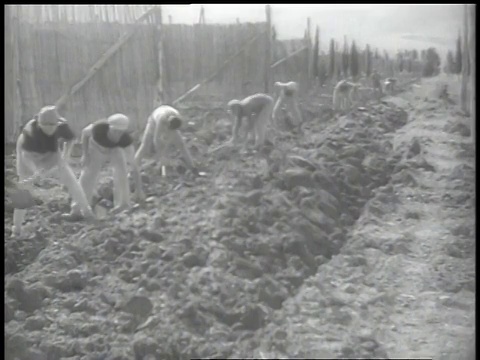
pixel 268 48
pixel 102 60
pixel 161 95
pixel 465 60
pixel 309 52
pixel 472 70
pixel 13 110
pixel 316 54
pixel 201 19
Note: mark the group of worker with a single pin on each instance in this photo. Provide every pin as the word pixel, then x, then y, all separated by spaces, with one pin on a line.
pixel 39 147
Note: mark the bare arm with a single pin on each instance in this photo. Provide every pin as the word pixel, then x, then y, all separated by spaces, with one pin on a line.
pixel 85 139
pixel 130 157
pixel 67 150
pixel 236 128
pixel 180 144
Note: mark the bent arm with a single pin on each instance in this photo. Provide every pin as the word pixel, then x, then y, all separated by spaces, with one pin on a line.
pixel 180 144
pixel 67 149
pixel 137 178
pixel 85 139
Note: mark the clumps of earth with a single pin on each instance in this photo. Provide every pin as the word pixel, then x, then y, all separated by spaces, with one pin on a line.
pixel 200 270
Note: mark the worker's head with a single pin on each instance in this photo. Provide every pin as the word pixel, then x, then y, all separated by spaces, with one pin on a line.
pixel 48 119
pixel 118 125
pixel 174 123
pixel 234 107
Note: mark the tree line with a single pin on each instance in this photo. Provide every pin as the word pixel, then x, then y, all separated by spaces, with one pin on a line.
pixel 352 62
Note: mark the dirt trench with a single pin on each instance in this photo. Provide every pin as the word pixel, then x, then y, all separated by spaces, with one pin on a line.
pixel 203 269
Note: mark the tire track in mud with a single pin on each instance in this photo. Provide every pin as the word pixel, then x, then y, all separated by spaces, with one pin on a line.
pixel 200 271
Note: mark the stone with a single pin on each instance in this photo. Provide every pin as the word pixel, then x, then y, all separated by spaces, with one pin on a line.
pixel 35 323
pixel 271 298
pixel 253 198
pixel 192 259
pixel 138 306
pixel 31 298
pixel 37 354
pixel 144 346
pixel 152 236
pixel 9 313
pixel 252 318
pixel 77 279
pixel 298 177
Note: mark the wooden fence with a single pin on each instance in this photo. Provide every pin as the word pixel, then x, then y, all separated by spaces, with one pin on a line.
pixel 57 45
pixel 54 53
pixel 53 56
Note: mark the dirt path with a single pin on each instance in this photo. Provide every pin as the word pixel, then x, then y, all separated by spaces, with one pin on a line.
pixel 404 284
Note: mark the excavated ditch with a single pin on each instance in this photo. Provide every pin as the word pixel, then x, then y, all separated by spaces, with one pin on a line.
pixel 202 267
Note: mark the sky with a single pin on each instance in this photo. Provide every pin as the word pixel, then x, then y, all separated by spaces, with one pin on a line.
pixel 387 26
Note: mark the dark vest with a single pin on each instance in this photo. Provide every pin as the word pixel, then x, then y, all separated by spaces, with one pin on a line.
pixel 100 135
pixel 37 141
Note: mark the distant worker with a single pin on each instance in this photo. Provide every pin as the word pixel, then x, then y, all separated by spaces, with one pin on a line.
pixel 288 97
pixel 163 130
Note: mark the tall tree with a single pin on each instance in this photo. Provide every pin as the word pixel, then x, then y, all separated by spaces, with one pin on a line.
pixel 458 56
pixel 471 53
pixel 450 66
pixel 322 72
pixel 331 67
pixel 410 65
pixel 465 55
pixel 431 64
pixel 368 59
pixel 400 62
pixel 345 58
pixel 415 54
pixel 354 63
pixel 423 55
pixel 316 52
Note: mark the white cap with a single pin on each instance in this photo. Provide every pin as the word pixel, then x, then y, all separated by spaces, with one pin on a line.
pixel 292 85
pixel 233 102
pixel 48 115
pixel 119 122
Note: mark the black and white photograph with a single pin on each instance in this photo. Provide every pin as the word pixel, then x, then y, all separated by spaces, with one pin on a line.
pixel 239 181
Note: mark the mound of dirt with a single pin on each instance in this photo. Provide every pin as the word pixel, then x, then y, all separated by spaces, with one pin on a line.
pixel 212 262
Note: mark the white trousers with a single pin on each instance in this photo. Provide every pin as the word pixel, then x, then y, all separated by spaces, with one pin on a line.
pixel 119 159
pixel 290 103
pixel 29 162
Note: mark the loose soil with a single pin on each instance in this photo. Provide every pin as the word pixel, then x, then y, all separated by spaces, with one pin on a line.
pixel 353 240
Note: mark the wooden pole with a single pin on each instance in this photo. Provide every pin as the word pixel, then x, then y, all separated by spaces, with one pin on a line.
pixel 192 90
pixel 9 81
pixel 13 108
pixel 472 41
pixel 225 63
pixel 268 48
pixel 161 95
pixel 316 54
pixel 465 60
pixel 279 62
pixel 309 52
pixel 201 19
pixel 103 59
